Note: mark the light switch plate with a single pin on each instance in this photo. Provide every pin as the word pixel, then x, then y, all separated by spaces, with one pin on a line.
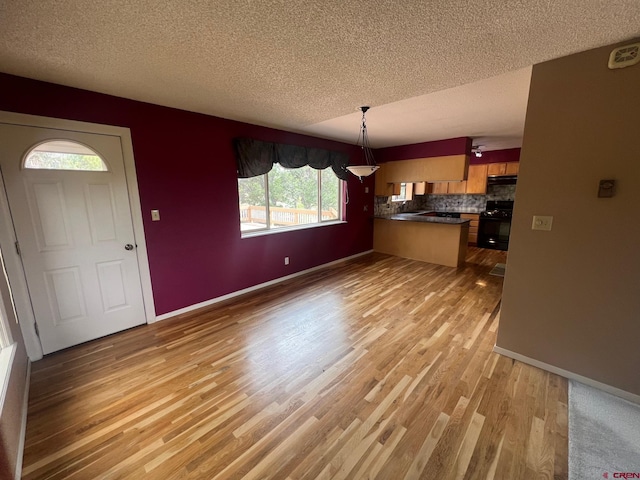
pixel 155 215
pixel 542 222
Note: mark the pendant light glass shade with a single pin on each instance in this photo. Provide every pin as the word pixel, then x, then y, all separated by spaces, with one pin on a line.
pixel 363 142
pixel 363 170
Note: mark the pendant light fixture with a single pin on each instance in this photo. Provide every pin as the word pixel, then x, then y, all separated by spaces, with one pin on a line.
pixel 363 141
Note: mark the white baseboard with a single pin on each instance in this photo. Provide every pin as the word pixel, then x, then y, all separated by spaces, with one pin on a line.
pixel 207 303
pixel 23 427
pixel 570 375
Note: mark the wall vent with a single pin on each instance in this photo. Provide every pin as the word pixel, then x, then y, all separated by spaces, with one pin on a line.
pixel 625 56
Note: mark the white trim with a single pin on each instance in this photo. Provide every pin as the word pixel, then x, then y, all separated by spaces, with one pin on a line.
pixel 23 427
pixel 213 301
pixel 138 226
pixel 570 375
pixel 7 355
pixel 7 235
pixel 16 278
pixel 293 228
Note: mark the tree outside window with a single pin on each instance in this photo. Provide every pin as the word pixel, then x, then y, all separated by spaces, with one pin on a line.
pixel 299 196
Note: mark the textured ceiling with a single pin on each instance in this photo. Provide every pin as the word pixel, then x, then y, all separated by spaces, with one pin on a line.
pixel 429 69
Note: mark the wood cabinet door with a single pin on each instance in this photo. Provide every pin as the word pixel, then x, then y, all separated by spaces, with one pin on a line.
pixel 457 187
pixel 420 188
pixel 497 169
pixel 477 179
pixel 382 188
pixel 440 188
pixel 473 226
pixel 512 168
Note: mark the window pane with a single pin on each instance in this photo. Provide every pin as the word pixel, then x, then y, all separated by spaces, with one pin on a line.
pixel 253 210
pixel 293 196
pixel 64 155
pixel 330 195
pixel 403 194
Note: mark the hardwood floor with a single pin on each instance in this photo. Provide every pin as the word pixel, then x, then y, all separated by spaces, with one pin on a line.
pixel 379 367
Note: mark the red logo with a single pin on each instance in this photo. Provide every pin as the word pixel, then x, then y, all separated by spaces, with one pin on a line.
pixel 605 475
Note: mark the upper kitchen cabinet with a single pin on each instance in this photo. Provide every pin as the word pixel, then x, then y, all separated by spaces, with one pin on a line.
pixel 439 188
pixel 420 188
pixel 476 183
pixel 498 169
pixel 432 169
pixel 512 168
pixel 477 179
pixel 457 187
pixel 382 188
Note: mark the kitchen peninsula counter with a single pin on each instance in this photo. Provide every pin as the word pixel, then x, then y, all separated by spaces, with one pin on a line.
pixel 438 240
pixel 413 217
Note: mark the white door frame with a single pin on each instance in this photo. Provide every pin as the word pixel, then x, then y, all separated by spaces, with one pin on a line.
pixel 13 264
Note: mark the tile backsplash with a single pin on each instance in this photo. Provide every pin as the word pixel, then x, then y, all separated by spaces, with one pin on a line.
pixel 449 203
pixel 384 205
pixel 456 203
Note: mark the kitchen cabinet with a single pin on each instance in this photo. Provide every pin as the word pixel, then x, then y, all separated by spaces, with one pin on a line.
pixel 457 187
pixel 510 168
pixel 497 169
pixel 439 188
pixel 476 183
pixel 420 188
pixel 418 170
pixel 473 226
pixel 477 179
pixel 439 243
pixel 382 187
pixel 389 174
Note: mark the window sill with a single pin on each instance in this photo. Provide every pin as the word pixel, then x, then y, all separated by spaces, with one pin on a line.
pixel 259 233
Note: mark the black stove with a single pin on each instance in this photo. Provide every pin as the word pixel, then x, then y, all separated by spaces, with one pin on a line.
pixel 498 209
pixel 495 225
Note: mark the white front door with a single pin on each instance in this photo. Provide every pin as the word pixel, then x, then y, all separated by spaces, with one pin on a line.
pixel 75 236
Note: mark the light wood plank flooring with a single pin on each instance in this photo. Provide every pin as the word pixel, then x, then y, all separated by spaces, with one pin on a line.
pixel 379 367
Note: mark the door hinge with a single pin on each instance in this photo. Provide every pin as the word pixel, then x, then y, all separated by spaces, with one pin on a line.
pixel 18 248
pixel 35 324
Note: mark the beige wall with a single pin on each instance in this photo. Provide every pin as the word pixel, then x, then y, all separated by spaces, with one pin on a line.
pixel 572 295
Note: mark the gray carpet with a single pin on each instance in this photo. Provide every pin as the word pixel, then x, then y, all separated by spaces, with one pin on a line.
pixel 604 434
pixel 498 270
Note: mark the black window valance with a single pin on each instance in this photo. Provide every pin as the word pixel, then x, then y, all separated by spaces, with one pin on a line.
pixel 255 157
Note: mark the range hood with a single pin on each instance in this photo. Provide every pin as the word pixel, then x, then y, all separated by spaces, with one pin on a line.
pixel 502 180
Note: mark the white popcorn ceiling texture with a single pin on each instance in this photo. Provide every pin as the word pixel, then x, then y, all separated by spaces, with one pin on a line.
pixel 429 69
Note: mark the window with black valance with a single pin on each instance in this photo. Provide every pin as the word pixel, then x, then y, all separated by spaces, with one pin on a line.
pixel 255 157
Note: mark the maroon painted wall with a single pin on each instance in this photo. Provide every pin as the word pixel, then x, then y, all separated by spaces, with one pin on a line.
pixel 439 148
pixel 186 169
pixel 497 156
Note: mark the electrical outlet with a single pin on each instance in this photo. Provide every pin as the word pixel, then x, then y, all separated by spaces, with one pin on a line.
pixel 542 222
pixel 155 215
pixel 286 260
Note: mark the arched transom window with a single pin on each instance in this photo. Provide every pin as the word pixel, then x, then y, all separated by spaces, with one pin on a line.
pixel 64 155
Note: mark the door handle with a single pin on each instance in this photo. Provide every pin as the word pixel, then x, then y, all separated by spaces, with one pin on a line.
pixel 128 246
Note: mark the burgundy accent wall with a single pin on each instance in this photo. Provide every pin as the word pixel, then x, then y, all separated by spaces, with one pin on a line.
pixel 439 148
pixel 186 169
pixel 497 156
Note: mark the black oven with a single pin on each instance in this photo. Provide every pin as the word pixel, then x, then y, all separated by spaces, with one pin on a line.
pixel 495 225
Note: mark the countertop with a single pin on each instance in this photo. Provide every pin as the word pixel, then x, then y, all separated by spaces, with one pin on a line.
pixel 419 217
